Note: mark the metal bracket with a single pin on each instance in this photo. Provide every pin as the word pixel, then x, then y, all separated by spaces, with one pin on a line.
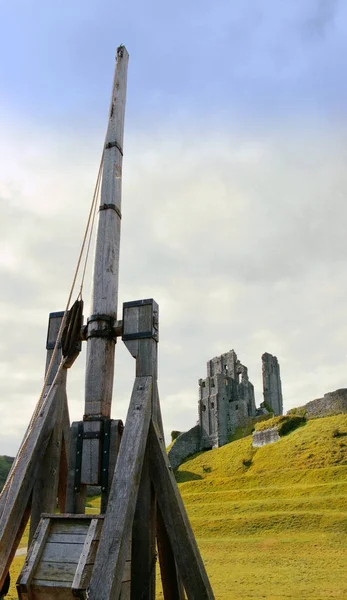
pixel 104 435
pixel 112 207
pixel 105 454
pixel 114 145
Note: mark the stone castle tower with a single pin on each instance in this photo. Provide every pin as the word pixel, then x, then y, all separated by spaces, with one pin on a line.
pixel 272 387
pixel 226 399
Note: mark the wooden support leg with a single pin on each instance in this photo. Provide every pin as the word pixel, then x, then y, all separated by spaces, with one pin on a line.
pixel 45 490
pixel 16 501
pixel 63 468
pixel 143 556
pixel 171 582
pixel 172 585
pixel 185 549
pixel 113 547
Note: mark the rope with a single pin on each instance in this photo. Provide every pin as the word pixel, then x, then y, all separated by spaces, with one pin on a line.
pixel 44 397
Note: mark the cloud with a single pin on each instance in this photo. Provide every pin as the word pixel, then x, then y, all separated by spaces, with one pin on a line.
pixel 238 235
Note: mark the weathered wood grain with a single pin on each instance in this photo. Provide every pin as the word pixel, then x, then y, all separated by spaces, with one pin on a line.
pixel 184 546
pixel 143 555
pixel 91 454
pixel 171 582
pixel 17 500
pixel 100 351
pixel 75 498
pixel 87 555
pixel 34 554
pixel 112 552
pixel 115 439
pixel 45 490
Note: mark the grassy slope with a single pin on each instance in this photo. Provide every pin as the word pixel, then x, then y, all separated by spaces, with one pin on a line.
pixel 272 522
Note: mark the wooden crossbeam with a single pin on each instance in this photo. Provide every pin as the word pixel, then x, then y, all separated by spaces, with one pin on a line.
pixel 110 560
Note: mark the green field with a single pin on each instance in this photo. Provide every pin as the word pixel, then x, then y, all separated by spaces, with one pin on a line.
pixel 272 522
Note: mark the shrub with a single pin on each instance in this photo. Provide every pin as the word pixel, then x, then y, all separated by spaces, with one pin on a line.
pixel 174 435
pixel 299 411
pixel 283 423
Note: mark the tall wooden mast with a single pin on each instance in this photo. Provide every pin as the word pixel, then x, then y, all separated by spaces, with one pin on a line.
pixel 100 335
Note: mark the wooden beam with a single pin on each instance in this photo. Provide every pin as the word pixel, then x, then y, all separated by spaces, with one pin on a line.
pixel 170 580
pixel 13 506
pixel 113 547
pixel 183 543
pixel 100 340
pixel 45 490
pixel 140 318
pixel 143 554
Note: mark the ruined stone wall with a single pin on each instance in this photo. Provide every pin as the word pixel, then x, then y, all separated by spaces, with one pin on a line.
pixel 333 403
pixel 267 436
pixel 272 386
pixel 186 444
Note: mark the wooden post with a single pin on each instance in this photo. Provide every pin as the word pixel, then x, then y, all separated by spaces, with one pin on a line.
pixel 100 337
pixel 45 490
pixel 100 325
pixel 140 334
pixel 182 540
pixel 114 542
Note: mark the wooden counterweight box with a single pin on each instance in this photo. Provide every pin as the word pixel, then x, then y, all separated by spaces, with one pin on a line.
pixel 61 559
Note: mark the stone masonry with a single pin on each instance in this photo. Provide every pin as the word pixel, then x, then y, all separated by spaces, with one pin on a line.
pixel 272 387
pixel 226 399
pixel 226 402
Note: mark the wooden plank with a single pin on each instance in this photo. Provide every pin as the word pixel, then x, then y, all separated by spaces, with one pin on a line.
pixel 53 552
pixel 65 453
pixel 116 436
pixel 60 572
pixel 23 480
pixel 75 499
pixel 91 454
pixel 125 591
pixel 87 555
pixel 143 557
pixel 184 546
pixel 45 490
pixel 44 592
pixel 100 351
pixel 112 552
pixel 64 538
pixel 171 581
pixel 34 554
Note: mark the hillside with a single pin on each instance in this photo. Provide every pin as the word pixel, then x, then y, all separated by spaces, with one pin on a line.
pixel 271 522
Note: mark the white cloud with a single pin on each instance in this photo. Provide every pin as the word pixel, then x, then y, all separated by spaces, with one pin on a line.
pixel 239 237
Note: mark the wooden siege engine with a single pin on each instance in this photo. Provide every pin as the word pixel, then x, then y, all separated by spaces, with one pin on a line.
pixel 110 556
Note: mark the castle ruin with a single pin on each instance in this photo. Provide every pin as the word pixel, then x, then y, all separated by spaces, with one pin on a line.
pixel 272 387
pixel 226 402
pixel 226 399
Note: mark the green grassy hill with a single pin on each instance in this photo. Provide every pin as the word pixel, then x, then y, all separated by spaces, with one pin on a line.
pixel 271 522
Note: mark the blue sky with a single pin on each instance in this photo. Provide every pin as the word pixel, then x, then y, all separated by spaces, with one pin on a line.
pixel 254 61
pixel 234 210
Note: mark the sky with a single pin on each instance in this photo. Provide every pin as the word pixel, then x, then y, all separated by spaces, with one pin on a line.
pixel 234 189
